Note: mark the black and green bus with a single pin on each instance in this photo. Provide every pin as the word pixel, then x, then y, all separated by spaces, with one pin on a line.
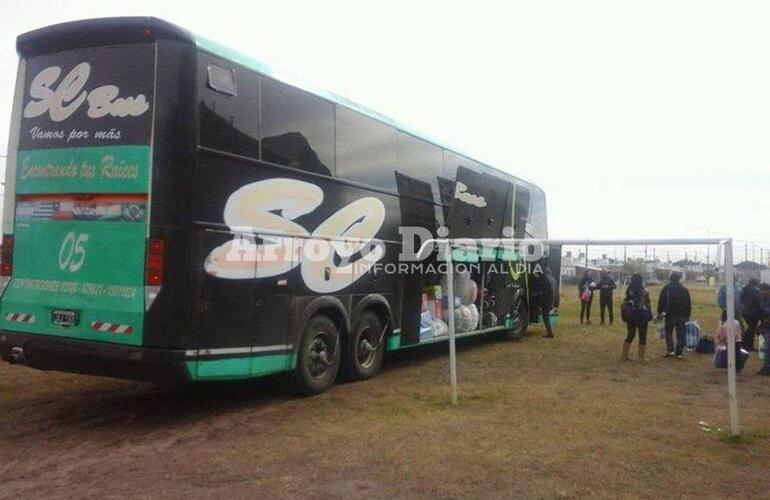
pixel 165 195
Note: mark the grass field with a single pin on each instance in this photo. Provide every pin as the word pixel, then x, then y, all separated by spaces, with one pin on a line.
pixel 540 418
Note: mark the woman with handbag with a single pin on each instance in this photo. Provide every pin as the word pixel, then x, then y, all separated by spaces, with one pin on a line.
pixel 636 311
pixel 586 293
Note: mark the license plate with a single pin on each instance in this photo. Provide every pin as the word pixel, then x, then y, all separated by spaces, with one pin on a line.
pixel 65 317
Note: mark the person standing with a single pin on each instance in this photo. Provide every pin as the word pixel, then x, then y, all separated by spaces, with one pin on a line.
pixel 750 311
pixel 586 294
pixel 543 288
pixel 606 285
pixel 638 296
pixel 674 302
pixel 764 325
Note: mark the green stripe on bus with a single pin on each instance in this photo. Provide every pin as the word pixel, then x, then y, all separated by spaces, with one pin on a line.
pixel 244 367
pixel 110 169
pixel 394 342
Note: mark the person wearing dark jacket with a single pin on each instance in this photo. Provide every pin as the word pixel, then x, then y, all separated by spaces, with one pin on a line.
pixel 543 291
pixel 750 311
pixel 640 298
pixel 586 295
pixel 606 285
pixel 764 325
pixel 674 302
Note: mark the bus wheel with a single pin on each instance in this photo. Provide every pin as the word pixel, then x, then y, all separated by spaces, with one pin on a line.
pixel 318 358
pixel 365 347
pixel 519 322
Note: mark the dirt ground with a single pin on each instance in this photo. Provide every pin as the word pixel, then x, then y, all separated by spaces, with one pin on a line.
pixel 540 418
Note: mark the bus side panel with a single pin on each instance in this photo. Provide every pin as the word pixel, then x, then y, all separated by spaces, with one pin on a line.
pixel 167 320
pixel 244 298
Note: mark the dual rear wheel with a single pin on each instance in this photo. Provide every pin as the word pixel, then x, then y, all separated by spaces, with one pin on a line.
pixel 323 350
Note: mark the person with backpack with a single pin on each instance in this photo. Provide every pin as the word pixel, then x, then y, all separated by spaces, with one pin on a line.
pixel 674 302
pixel 636 311
pixel 749 301
pixel 605 285
pixel 586 294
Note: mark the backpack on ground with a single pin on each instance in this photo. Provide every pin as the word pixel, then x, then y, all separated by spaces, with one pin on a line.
pixel 706 345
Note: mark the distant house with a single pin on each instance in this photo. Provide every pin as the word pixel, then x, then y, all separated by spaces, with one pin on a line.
pixel 748 269
pixel 572 267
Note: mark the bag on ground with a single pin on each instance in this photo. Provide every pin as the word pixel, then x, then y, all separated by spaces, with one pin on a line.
pixel 706 345
pixel 720 358
pixel 691 334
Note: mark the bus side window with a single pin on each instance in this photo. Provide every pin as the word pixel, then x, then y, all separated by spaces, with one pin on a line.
pixel 367 150
pixel 297 128
pixel 420 160
pixel 228 107
pixel 521 211
pixel 453 160
pixel 538 214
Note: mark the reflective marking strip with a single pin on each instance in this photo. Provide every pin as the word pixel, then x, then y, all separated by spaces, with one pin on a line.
pixel 20 318
pixel 237 350
pixel 100 326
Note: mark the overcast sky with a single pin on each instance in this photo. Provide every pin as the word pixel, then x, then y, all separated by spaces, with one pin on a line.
pixel 639 119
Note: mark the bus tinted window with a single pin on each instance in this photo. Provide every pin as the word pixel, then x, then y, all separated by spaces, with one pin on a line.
pixel 453 160
pixel 521 211
pixel 366 150
pixel 226 122
pixel 538 215
pixel 297 128
pixel 420 160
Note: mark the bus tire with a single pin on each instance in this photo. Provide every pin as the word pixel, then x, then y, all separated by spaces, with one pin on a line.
pixel 364 347
pixel 318 357
pixel 520 319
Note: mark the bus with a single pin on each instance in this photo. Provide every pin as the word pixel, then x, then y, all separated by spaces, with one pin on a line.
pixel 177 211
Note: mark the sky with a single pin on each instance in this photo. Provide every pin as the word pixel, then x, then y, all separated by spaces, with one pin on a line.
pixel 639 119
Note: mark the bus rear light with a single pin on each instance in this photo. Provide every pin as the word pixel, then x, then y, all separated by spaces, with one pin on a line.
pixel 6 256
pixel 155 262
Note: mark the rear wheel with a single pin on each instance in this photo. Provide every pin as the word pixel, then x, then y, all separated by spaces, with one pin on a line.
pixel 519 322
pixel 318 359
pixel 365 347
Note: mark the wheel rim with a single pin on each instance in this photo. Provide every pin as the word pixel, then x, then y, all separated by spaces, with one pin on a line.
pixel 320 356
pixel 366 350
